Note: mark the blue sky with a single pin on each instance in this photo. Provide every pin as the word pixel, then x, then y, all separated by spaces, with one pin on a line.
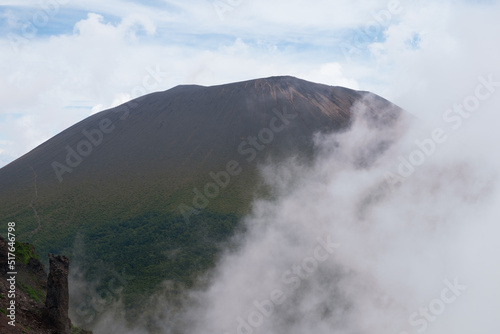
pixel 62 60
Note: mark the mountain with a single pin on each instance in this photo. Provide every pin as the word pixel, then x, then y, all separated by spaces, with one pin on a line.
pixel 155 187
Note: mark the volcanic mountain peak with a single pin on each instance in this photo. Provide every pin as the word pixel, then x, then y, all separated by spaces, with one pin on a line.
pixel 184 132
pixel 189 130
pixel 276 87
pixel 138 170
pixel 282 80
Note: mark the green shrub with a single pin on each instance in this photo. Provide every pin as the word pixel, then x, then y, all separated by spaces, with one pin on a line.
pixel 36 295
pixel 24 252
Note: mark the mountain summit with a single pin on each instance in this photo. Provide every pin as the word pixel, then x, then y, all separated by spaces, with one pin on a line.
pixel 176 134
pixel 169 169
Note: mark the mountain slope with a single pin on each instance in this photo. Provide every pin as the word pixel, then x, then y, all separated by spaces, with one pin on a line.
pixel 157 184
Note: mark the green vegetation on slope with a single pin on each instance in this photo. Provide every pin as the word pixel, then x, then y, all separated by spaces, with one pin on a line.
pixel 35 294
pixel 24 252
pixel 155 247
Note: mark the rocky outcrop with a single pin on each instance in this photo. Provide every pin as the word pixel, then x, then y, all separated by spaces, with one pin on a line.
pixel 32 314
pixel 57 301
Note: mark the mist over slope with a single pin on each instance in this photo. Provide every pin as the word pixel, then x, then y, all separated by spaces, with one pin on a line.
pixel 154 189
pixel 401 241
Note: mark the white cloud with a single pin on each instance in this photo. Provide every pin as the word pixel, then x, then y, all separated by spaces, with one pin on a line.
pixel 331 74
pixel 410 258
pixel 109 51
pixel 108 54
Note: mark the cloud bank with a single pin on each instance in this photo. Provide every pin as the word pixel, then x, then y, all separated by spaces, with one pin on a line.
pixel 88 56
pixel 353 242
